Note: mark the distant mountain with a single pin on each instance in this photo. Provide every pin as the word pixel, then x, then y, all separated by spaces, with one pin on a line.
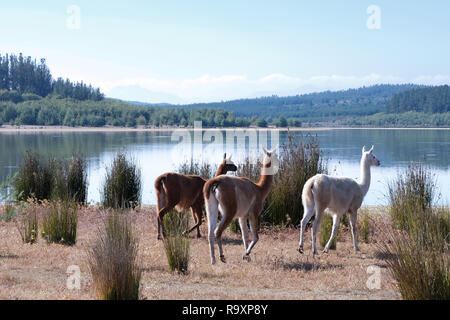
pixel 137 93
pixel 313 106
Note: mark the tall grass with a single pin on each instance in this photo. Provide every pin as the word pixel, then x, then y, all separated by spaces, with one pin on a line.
pixel 298 161
pixel 113 261
pixel 326 226
pixel 204 169
pixel 28 226
pixel 50 178
pixel 419 242
pixel 122 187
pixel 60 222
pixel 176 241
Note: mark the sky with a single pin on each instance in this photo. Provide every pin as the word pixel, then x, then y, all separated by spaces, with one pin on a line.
pixel 201 51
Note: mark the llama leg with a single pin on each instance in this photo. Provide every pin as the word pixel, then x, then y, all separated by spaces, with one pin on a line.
pixel 161 215
pixel 225 222
pixel 211 215
pixel 353 227
pixel 315 226
pixel 244 231
pixel 196 210
pixel 336 219
pixel 308 212
pixel 254 230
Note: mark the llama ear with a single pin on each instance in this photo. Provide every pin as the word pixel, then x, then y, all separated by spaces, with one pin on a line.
pixel 364 149
pixel 229 159
pixel 274 150
pixel 224 156
pixel 371 149
pixel 265 150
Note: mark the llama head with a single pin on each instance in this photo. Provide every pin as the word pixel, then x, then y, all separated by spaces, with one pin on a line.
pixel 270 162
pixel 369 157
pixel 228 164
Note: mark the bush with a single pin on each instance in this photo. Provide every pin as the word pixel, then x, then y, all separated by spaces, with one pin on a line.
pixel 176 240
pixel 51 179
pixel 122 187
pixel 204 169
pixel 421 269
pixel 364 226
pixel 297 163
pixel 113 261
pixel 28 226
pixel 413 189
pixel 34 178
pixel 326 226
pixel 60 223
pixel 419 242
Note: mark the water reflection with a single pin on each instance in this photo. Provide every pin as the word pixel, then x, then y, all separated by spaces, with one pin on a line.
pixel 153 152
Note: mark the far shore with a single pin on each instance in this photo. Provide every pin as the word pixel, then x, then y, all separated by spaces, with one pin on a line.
pixel 33 129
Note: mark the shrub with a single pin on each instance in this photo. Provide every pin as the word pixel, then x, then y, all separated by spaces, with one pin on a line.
pixel 364 226
pixel 28 226
pixel 421 269
pixel 113 260
pixel 122 186
pixel 297 163
pixel 51 179
pixel 326 226
pixel 204 169
pixel 176 240
pixel 413 189
pixel 34 178
pixel 60 223
pixel 419 242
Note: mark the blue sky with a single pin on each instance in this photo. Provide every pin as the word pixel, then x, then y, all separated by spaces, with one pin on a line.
pixel 190 51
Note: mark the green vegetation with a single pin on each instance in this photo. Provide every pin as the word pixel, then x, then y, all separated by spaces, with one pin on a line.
pixel 122 187
pixel 427 100
pixel 112 260
pixel 419 243
pixel 28 225
pixel 51 179
pixel 326 226
pixel 176 240
pixel 297 163
pixel 59 223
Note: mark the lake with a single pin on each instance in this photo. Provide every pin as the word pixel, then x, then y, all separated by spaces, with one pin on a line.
pixel 155 152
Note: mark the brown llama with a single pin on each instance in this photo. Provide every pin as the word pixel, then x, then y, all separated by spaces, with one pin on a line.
pixel 237 197
pixel 180 191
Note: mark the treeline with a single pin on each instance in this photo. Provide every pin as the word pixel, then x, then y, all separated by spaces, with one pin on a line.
pixel 427 100
pixel 69 112
pixel 400 120
pixel 314 106
pixel 23 78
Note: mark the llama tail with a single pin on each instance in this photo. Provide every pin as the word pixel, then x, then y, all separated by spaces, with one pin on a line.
pixel 161 187
pixel 307 193
pixel 212 213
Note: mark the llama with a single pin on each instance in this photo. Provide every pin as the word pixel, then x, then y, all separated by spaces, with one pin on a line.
pixel 237 197
pixel 179 191
pixel 340 195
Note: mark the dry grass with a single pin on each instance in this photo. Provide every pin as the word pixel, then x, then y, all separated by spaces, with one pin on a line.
pixel 277 270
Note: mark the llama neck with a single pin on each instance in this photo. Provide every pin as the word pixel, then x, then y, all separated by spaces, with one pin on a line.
pixel 365 177
pixel 221 169
pixel 265 182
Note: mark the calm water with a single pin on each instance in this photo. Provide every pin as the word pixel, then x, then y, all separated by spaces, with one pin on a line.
pixel 155 153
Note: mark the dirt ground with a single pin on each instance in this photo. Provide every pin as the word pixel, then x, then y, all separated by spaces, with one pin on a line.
pixel 277 270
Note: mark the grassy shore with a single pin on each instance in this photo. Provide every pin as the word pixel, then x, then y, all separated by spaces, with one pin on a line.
pixel 277 270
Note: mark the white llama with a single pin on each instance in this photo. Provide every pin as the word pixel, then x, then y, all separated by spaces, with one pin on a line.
pixel 340 195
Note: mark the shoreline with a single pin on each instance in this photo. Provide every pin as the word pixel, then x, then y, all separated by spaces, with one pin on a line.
pixel 35 129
